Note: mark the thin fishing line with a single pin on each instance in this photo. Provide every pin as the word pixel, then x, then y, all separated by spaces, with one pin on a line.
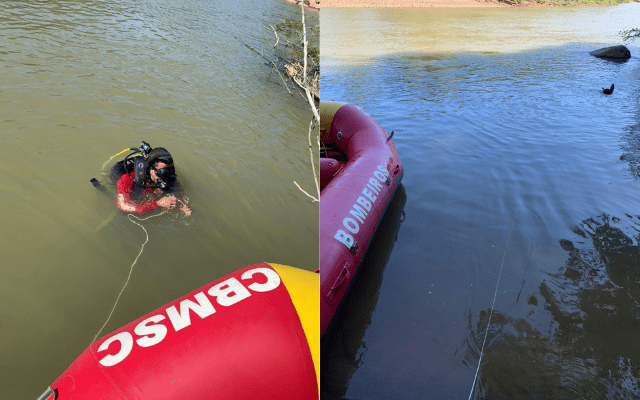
pixel 495 294
pixel 131 269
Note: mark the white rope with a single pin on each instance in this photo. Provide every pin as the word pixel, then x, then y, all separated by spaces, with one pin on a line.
pixel 495 294
pixel 131 269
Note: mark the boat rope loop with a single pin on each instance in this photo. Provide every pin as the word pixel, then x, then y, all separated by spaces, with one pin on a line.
pixel 495 294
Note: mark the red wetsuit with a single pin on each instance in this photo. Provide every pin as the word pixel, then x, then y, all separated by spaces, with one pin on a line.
pixel 125 187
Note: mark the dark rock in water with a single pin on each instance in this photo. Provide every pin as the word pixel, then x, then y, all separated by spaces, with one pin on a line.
pixel 616 52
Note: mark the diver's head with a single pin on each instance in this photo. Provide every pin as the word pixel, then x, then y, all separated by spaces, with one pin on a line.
pixel 161 169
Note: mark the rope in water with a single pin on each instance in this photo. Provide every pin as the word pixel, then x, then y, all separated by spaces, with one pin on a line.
pixel 495 294
pixel 131 269
pixel 123 151
pixel 136 260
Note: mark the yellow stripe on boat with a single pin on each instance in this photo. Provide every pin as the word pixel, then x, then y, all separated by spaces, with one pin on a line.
pixel 327 111
pixel 304 290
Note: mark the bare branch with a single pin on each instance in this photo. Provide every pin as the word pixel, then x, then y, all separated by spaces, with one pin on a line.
pixel 273 66
pixel 304 42
pixel 313 165
pixel 304 72
pixel 277 37
pixel 303 191
pixel 630 34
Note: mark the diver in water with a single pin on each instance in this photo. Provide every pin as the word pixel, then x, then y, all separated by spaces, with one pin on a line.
pixel 148 181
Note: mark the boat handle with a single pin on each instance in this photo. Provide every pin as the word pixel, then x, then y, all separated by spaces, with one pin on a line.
pixel 47 393
pixel 344 274
pixel 390 136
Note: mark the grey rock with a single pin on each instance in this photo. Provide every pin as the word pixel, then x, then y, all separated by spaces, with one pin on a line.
pixel 617 52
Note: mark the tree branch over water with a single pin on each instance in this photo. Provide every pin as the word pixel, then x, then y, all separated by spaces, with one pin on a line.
pixel 295 57
pixel 299 62
pixel 316 121
pixel 630 34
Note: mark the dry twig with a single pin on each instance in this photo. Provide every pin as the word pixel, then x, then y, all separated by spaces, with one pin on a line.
pixel 316 115
pixel 277 37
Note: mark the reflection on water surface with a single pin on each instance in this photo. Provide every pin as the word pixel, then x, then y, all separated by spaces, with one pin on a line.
pixel 574 341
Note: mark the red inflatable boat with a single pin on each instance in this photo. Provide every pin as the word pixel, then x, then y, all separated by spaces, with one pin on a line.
pixel 253 334
pixel 359 170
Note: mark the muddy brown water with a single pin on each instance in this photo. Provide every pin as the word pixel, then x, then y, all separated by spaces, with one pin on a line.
pixel 81 81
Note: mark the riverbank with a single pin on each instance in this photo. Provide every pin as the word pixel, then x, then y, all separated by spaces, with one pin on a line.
pixel 463 3
pixel 410 3
pixel 315 4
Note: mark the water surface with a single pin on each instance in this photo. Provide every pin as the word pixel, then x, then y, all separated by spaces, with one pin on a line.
pixel 521 185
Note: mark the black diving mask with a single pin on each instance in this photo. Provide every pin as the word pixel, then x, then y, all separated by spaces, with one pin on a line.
pixel 167 174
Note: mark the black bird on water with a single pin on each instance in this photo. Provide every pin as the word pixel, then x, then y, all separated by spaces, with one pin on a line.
pixel 608 91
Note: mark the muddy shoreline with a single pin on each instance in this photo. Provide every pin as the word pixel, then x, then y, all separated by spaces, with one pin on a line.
pixel 439 3
pixel 409 3
pixel 315 5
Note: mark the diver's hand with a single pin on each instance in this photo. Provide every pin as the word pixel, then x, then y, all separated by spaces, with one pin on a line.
pixel 168 202
pixel 186 210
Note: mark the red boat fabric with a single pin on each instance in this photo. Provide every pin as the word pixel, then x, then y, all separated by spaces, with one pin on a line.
pixel 353 202
pixel 238 337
